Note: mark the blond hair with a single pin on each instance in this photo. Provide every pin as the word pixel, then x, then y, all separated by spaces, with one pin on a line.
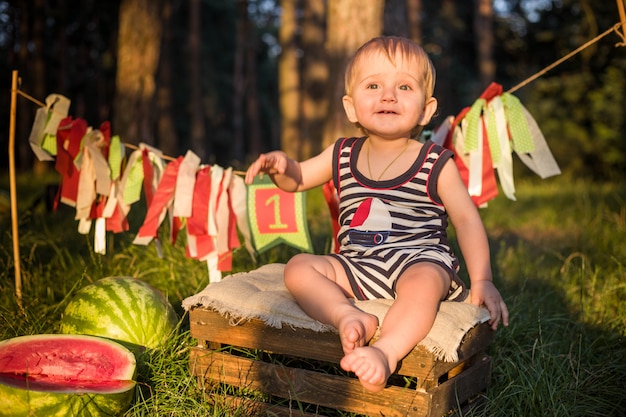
pixel 393 47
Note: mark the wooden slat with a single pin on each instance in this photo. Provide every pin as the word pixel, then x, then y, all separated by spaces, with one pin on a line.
pixel 255 408
pixel 332 391
pixel 209 326
pixel 458 390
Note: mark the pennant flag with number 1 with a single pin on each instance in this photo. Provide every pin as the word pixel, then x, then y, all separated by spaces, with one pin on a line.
pixel 277 216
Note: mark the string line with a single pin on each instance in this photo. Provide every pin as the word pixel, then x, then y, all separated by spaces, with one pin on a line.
pixel 568 56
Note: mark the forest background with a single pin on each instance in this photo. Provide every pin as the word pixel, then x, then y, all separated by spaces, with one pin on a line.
pixel 229 79
pixel 232 78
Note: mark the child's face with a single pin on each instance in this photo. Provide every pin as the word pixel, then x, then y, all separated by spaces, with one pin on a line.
pixel 388 99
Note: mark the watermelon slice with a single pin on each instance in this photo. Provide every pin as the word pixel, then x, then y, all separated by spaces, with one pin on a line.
pixel 65 375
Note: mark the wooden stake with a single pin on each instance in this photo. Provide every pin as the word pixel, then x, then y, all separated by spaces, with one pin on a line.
pixel 14 217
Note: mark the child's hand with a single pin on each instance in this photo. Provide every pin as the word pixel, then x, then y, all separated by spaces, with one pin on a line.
pixel 485 293
pixel 272 162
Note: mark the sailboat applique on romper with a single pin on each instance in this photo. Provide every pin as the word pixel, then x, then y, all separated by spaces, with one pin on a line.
pixel 371 223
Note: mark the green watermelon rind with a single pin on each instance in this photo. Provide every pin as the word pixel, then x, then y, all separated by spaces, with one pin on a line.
pixel 124 309
pixel 16 401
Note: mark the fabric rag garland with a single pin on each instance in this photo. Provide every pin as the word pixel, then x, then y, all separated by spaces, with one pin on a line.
pixel 483 137
pixel 208 202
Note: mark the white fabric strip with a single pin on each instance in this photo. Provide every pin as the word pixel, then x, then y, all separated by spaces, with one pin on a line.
pixel 84 226
pixel 540 161
pixel 222 213
pixel 93 141
pixel 216 178
pixel 109 207
pixel 86 186
pixel 215 275
pixel 99 237
pixel 238 197
pixel 505 164
pixel 185 184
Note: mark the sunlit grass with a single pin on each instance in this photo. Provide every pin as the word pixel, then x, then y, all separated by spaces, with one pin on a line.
pixel 559 260
pixel 558 256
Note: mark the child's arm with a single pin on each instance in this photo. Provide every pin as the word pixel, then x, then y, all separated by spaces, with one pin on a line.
pixel 473 241
pixel 290 175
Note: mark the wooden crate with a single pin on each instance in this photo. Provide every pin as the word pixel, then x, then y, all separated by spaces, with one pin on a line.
pixel 422 386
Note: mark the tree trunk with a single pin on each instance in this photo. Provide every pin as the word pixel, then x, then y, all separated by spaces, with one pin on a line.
pixel 32 72
pixel 199 144
pixel 314 78
pixel 137 59
pixel 245 101
pixel 446 90
pixel 253 136
pixel 483 29
pixel 395 18
pixel 166 127
pixel 239 77
pixel 350 24
pixel 414 18
pixel 289 80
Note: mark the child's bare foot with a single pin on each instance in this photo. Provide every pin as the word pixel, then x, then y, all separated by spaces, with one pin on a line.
pixel 356 329
pixel 370 365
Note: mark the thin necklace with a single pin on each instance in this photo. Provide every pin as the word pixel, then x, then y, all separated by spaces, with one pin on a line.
pixel 369 168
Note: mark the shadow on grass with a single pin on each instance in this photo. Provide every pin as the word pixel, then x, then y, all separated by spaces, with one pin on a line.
pixel 561 355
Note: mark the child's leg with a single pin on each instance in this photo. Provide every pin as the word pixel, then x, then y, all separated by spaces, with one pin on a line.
pixel 418 293
pixel 321 288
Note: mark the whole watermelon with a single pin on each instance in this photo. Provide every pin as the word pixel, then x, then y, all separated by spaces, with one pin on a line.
pixel 125 309
pixel 66 376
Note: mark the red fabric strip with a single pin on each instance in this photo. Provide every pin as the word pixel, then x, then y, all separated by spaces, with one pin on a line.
pixel 162 197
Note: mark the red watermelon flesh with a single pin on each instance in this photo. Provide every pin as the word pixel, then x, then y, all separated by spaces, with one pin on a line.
pixel 66 363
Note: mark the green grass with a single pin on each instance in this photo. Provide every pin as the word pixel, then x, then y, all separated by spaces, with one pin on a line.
pixel 558 255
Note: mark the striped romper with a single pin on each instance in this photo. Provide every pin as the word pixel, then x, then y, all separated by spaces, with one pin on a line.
pixel 387 226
